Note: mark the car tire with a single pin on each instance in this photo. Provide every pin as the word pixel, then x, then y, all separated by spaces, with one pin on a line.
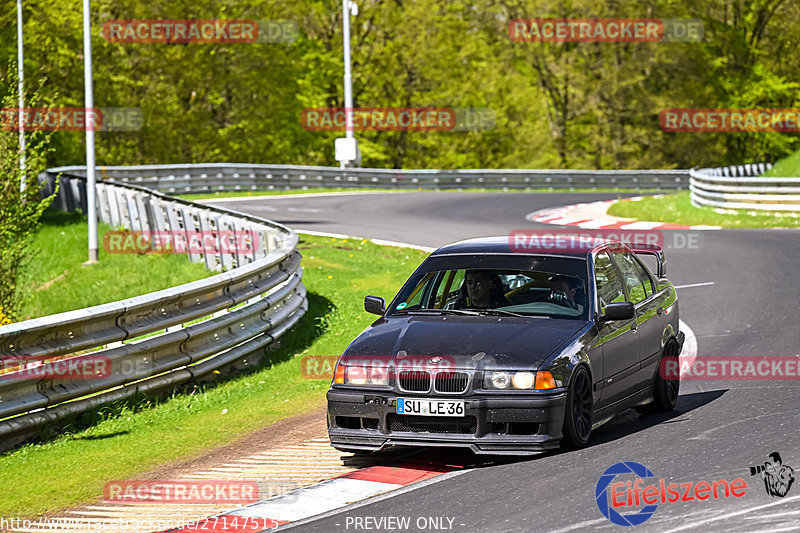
pixel 665 391
pixel 578 410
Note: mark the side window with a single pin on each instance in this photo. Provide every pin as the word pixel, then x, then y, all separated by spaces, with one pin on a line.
pixel 631 277
pixel 609 288
pixel 646 280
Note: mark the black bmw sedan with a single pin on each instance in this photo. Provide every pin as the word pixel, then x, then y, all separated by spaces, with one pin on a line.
pixel 507 351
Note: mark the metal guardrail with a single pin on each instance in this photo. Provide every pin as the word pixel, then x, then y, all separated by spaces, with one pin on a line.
pixel 159 340
pixel 210 177
pixel 740 187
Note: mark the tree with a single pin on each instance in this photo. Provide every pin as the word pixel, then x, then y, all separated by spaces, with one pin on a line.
pixel 578 105
pixel 19 210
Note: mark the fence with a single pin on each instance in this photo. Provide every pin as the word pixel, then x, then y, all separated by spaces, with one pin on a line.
pixel 740 187
pixel 210 177
pixel 158 341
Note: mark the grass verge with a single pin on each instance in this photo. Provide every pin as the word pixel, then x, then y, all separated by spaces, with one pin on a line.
pixel 678 209
pixel 125 440
pixel 318 190
pixel 55 281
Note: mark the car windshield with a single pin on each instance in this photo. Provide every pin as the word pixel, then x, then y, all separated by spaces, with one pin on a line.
pixel 547 291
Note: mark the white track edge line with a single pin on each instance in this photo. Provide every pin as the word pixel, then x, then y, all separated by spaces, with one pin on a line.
pixel 379 242
pixel 730 515
pixel 702 284
pixel 373 499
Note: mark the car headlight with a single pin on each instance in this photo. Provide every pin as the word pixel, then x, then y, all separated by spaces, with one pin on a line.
pixel 361 375
pixel 378 375
pixel 498 380
pixel 522 380
pixel 355 375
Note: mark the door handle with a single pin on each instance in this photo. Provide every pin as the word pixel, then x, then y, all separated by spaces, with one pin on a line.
pixel 660 311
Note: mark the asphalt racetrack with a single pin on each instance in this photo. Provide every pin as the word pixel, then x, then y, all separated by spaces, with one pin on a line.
pixel 739 293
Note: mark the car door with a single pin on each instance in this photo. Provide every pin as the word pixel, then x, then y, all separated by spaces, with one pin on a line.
pixel 653 322
pixel 649 322
pixel 618 339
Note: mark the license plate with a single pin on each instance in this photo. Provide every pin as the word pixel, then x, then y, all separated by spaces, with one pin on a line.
pixel 421 407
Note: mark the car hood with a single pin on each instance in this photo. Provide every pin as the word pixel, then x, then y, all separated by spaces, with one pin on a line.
pixel 473 342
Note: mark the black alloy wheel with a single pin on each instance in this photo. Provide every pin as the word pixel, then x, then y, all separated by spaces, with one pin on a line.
pixel 578 411
pixel 665 389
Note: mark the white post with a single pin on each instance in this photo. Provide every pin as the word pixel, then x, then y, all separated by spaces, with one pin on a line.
pixel 90 122
pixel 348 76
pixel 347 147
pixel 21 89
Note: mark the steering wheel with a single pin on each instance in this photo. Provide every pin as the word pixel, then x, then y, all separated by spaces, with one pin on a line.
pixel 560 298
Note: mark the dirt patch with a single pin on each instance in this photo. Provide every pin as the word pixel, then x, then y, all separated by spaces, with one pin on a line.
pixel 46 285
pixel 292 430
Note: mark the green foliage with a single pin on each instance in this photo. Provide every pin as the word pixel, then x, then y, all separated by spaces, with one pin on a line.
pixel 578 105
pixel 786 168
pixel 19 209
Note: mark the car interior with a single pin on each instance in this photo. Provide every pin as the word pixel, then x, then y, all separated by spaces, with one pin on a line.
pixel 519 287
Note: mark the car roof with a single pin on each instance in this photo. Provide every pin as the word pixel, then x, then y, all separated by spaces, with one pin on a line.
pixel 511 244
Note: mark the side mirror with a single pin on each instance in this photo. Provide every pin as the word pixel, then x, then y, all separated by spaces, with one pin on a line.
pixel 375 305
pixel 618 311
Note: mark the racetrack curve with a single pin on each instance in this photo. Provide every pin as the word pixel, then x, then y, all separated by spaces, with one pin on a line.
pixel 718 430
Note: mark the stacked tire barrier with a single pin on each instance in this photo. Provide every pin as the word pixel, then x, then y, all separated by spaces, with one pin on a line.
pixel 211 177
pixel 741 187
pixel 158 341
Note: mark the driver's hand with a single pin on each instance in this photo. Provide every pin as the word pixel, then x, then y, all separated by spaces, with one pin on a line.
pixel 560 298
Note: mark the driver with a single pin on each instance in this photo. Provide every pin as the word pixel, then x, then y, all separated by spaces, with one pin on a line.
pixel 562 291
pixel 483 290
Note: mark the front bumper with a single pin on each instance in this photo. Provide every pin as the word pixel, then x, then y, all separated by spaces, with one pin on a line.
pixel 518 424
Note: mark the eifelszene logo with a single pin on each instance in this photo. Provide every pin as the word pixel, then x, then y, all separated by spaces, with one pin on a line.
pixel 615 497
pixel 607 508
